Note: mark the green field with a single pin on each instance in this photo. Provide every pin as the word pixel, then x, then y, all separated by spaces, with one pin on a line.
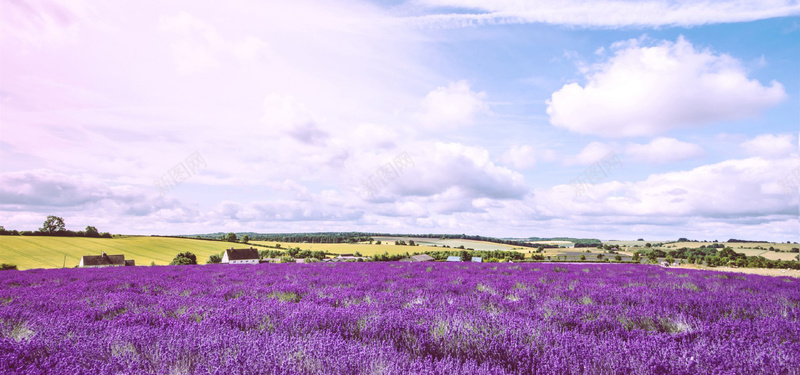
pixel 48 252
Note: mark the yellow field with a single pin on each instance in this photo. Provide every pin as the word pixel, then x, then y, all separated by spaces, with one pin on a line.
pixel 48 252
pixel 350 248
pixel 387 246
pixel 738 246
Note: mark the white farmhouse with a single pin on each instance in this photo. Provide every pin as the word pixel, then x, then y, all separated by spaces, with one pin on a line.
pixel 240 256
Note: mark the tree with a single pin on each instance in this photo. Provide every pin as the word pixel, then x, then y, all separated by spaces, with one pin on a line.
pixel 184 259
pixel 245 238
pixel 53 224
pixel 92 232
pixel 618 258
pixel 214 258
pixel 410 242
pixel 648 245
pixel 378 242
pixel 599 256
pixel 583 257
pixel 670 259
pixel 230 237
pixel 636 257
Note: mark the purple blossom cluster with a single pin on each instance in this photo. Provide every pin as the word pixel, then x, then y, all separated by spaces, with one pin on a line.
pixel 398 318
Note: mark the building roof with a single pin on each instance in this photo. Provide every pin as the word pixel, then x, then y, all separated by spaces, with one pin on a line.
pixel 453 258
pixel 103 260
pixel 242 254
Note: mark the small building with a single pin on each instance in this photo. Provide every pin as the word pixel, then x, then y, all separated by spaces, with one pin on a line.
pixel 240 256
pixel 105 260
pixel 477 259
pixel 418 258
pixel 453 258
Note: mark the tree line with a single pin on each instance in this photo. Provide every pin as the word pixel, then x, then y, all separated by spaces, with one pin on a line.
pixel 55 226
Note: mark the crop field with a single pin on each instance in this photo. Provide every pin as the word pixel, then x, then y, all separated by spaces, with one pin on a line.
pixel 476 245
pixel 392 318
pixel 740 246
pixel 388 246
pixel 48 252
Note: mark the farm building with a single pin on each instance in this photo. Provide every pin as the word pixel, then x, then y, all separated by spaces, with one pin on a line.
pixel 346 258
pixel 453 258
pixel 418 258
pixel 477 259
pixel 104 260
pixel 240 256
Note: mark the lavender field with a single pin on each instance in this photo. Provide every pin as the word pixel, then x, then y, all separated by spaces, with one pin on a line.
pixel 392 318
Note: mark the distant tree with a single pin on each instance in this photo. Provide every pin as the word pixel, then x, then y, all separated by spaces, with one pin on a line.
pixel 618 258
pixel 91 232
pixel 7 267
pixel 184 259
pixel 670 259
pixel 599 256
pixel 648 245
pixel 214 258
pixel 378 242
pixel 245 238
pixel 230 237
pixel 52 225
pixel 105 235
pixel 410 242
pixel 636 257
pixel 278 245
pixel 583 257
pixel 641 239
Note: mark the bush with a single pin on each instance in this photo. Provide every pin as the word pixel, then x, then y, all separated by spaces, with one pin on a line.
pixel 184 259
pixel 214 259
pixel 7 267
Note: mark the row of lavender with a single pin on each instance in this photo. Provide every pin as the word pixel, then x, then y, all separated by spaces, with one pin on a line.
pixel 389 318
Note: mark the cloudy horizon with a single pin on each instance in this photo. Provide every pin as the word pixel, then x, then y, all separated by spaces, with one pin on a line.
pixel 610 120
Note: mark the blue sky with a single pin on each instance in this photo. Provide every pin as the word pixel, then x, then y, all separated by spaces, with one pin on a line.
pixel 191 117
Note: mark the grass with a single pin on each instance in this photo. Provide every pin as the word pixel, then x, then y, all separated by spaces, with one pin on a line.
pixel 48 252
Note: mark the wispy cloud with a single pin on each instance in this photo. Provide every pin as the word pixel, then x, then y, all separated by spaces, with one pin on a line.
pixel 602 14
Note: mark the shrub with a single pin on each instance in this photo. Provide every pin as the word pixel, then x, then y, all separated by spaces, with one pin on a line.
pixel 184 259
pixel 7 267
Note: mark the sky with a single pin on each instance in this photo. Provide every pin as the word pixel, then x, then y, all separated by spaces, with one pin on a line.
pixel 604 119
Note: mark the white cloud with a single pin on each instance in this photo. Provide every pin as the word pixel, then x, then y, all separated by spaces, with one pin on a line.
pixel 452 106
pixel 526 156
pixel 650 90
pixel 770 145
pixel 663 150
pixel 603 13
pixel 733 190
pixel 521 157
pixel 590 154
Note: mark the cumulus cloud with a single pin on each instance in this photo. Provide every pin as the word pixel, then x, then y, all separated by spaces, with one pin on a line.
pixel 285 114
pixel 771 145
pixel 452 106
pixel 731 190
pixel 521 157
pixel 650 90
pixel 604 13
pixel 663 150
pixel 590 154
